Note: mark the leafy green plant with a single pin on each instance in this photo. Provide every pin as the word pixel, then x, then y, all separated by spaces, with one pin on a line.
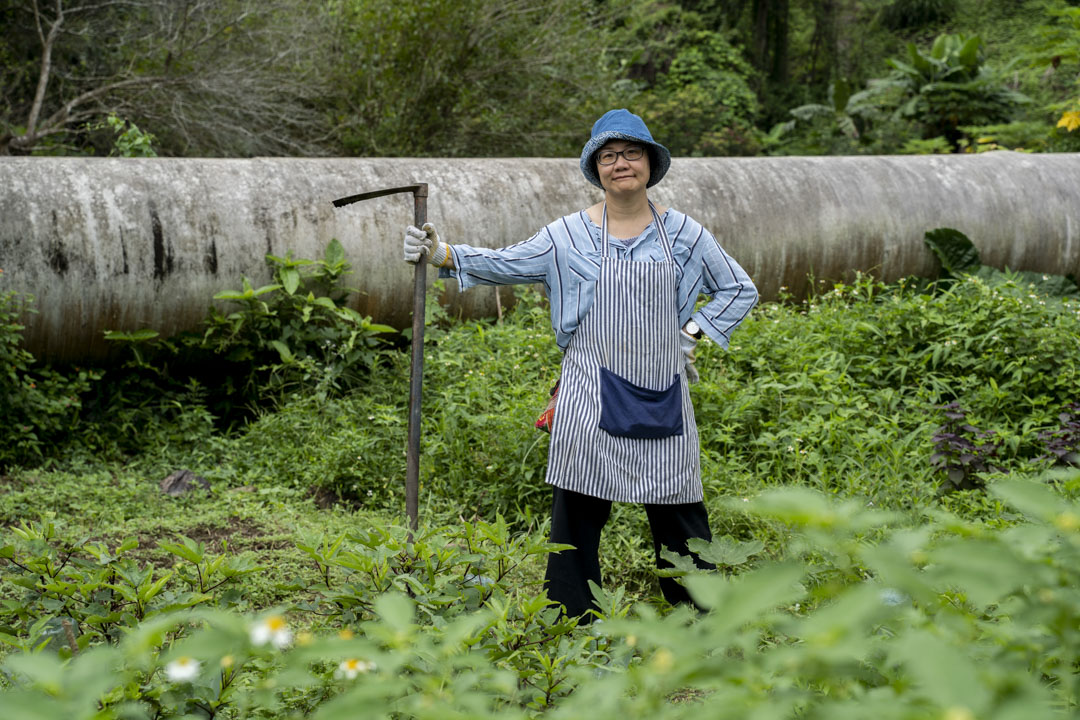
pixel 843 107
pixel 867 612
pixel 916 13
pixel 78 593
pixel 296 333
pixel 1063 442
pixel 39 405
pixel 841 124
pixel 130 140
pixel 703 104
pixel 961 450
pixel 286 336
pixel 952 86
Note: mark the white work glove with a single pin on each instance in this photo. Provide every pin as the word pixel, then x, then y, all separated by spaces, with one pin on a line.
pixel 688 343
pixel 420 242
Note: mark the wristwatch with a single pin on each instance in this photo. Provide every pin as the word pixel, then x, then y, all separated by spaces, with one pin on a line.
pixel 692 329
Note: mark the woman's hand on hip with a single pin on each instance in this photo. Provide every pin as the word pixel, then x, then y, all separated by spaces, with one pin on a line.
pixel 688 344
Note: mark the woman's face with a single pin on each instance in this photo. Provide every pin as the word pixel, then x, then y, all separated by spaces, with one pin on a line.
pixel 623 176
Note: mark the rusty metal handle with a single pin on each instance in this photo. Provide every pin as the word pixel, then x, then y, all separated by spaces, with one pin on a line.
pixel 416 376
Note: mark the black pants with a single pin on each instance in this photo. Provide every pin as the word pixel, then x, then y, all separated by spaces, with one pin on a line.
pixel 577 520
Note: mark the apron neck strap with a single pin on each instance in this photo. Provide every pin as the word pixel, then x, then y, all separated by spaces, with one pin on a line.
pixel 664 240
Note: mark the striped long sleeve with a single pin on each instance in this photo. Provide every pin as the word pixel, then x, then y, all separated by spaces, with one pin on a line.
pixel 565 258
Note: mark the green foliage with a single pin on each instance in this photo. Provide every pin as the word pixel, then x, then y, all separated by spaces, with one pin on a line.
pixel 74 594
pixel 954 251
pixel 840 392
pixel 487 78
pixel 296 334
pixel 40 405
pixel 936 617
pixel 287 337
pixel 952 86
pixel 916 13
pixel 840 125
pixel 130 140
pixel 694 84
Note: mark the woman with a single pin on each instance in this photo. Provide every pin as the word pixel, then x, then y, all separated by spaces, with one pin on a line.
pixel 622 277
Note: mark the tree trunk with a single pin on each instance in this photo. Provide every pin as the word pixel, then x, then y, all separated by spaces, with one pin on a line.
pixel 778 37
pixel 770 46
pixel 824 41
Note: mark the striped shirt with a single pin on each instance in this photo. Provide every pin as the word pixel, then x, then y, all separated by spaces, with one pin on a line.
pixel 565 257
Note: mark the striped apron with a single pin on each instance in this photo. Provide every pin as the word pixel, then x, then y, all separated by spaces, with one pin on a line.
pixel 630 336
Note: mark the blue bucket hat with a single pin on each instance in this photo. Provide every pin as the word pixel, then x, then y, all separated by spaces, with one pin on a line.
pixel 623 125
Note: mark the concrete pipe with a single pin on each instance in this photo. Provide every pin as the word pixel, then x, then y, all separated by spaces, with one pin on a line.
pixel 124 244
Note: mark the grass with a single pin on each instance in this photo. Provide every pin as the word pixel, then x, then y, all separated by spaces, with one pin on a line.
pixel 840 393
pixel 818 429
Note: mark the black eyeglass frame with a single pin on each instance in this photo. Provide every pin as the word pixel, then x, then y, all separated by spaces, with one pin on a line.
pixel 630 149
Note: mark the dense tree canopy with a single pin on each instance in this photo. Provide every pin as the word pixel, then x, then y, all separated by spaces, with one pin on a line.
pixel 208 76
pixel 520 77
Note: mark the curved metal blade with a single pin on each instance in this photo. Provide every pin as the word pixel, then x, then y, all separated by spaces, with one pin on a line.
pixel 379 193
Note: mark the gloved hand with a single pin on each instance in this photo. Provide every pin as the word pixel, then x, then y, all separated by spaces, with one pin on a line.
pixel 425 241
pixel 688 343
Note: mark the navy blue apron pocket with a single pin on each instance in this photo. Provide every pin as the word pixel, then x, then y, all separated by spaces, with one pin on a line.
pixel 627 410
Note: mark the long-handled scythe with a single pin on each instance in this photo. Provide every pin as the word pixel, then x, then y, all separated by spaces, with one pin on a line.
pixel 412 471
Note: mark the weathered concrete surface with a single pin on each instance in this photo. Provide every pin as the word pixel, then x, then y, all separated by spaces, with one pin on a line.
pixel 123 244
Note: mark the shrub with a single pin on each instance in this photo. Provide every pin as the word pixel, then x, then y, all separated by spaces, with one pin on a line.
pixel 40 405
pixel 936 618
pixel 916 13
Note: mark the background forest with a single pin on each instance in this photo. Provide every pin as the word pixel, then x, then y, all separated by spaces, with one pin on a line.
pixel 527 77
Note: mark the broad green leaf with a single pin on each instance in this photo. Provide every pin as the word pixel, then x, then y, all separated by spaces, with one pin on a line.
pixel 1035 500
pixel 45 670
pixel 283 351
pixel 942 674
pixel 188 549
pixel 265 289
pixel 335 253
pixel 138 336
pixel 377 328
pixel 744 597
pixel 954 250
pixel 968 55
pixel 726 550
pixel 290 279
pixel 985 570
pixel 396 611
pixel 937 50
pixel 847 623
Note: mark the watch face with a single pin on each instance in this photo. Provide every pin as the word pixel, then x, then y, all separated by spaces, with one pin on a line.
pixel 692 328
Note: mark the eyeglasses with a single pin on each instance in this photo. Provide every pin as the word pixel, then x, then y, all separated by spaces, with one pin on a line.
pixel 608 157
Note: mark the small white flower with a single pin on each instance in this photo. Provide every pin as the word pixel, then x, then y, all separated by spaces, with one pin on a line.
pixel 352 667
pixel 182 669
pixel 271 630
pixel 891 597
